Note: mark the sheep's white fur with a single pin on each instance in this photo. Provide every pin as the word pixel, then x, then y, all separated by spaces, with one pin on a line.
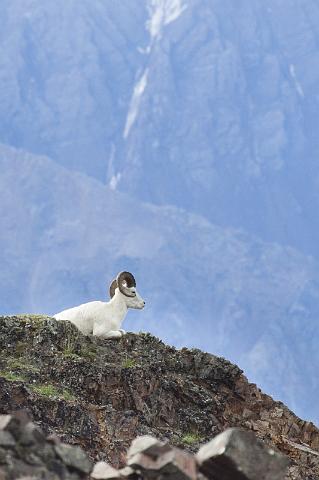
pixel 102 319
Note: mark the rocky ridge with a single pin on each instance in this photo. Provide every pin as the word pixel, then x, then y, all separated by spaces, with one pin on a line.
pixel 100 394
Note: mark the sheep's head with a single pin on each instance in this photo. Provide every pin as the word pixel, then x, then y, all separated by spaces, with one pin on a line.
pixel 126 284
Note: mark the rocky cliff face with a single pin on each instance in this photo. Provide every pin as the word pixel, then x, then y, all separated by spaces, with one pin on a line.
pixel 214 96
pixel 225 112
pixel 100 394
pixel 66 77
pixel 25 454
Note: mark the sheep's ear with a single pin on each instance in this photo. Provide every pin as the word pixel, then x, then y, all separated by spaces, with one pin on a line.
pixel 113 286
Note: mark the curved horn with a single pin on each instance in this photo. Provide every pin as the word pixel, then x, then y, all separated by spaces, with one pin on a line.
pixel 125 281
pixel 113 286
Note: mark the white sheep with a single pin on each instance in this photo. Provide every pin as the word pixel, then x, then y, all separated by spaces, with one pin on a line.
pixel 104 319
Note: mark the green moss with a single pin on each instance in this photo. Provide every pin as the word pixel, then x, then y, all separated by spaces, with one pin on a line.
pixel 49 390
pixel 12 377
pixel 88 352
pixel 69 353
pixel 129 363
pixel 20 348
pixel 33 319
pixel 46 390
pixel 191 438
pixel 16 369
pixel 21 364
pixel 66 395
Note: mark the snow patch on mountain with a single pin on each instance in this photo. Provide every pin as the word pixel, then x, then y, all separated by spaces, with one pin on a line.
pixel 163 12
pixel 114 181
pixel 298 86
pixel 135 103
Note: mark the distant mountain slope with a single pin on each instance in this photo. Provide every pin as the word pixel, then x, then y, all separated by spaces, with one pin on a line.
pixel 64 236
pixel 67 69
pixel 210 105
pixel 226 117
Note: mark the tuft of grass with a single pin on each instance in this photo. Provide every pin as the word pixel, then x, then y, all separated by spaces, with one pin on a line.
pixel 191 438
pixel 21 364
pixel 49 390
pixel 85 352
pixel 17 369
pixel 34 319
pixel 66 395
pixel 129 363
pixel 20 348
pixel 46 390
pixel 69 353
pixel 89 352
pixel 12 377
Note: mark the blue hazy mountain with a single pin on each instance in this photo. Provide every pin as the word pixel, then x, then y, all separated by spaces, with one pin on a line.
pixel 178 139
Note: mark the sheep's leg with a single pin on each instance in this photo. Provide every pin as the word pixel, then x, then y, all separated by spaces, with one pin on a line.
pixel 112 334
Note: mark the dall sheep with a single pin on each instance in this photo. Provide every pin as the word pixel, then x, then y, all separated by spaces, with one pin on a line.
pixel 104 319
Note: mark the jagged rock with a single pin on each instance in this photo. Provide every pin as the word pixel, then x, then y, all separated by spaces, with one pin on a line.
pixel 9 424
pixel 28 454
pixel 104 471
pixel 237 455
pixel 102 394
pixel 156 459
pixel 31 434
pixel 147 445
pixel 6 439
pixel 74 457
pixel 128 472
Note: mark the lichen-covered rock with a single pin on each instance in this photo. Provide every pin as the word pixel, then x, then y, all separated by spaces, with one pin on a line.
pixel 101 394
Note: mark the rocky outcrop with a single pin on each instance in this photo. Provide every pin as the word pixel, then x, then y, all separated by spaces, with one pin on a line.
pixel 25 453
pixel 101 394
